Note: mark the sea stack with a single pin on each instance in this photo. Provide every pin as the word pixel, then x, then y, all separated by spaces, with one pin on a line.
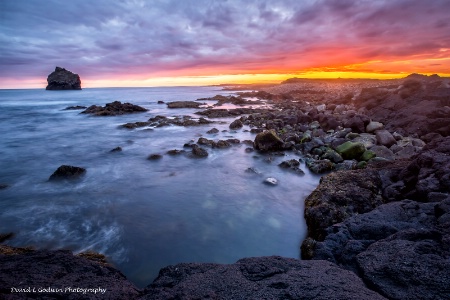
pixel 62 79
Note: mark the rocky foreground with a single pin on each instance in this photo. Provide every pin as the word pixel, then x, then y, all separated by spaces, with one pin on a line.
pixel 378 223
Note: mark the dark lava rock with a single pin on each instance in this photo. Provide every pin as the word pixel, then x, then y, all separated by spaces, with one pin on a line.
pixel 198 151
pixel 411 264
pixel 113 109
pixel 175 152
pixel 221 144
pixel 76 107
pixel 339 196
pixel 62 79
pixel 234 141
pixel 258 278
pixel 59 269
pixel 67 172
pixel 117 149
pixel 205 141
pixel 236 124
pixel 268 141
pixel 184 104
pixel 160 102
pixel 154 156
pixel 319 166
pixel 289 163
pixel 213 130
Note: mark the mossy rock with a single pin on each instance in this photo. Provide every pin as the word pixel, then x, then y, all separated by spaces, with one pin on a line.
pixel 367 155
pixel 351 150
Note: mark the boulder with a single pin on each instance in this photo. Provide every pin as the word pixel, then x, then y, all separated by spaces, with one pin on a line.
pixel 62 79
pixel 236 124
pixel 67 172
pixel 213 131
pixel 385 138
pixel 332 155
pixel 351 150
pixel 367 155
pixel 268 141
pixel 198 151
pixel 155 156
pixel 221 144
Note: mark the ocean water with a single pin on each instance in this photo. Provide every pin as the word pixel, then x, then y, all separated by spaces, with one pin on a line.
pixel 143 215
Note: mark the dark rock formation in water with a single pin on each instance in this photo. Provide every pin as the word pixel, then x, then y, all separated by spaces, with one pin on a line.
pixel 184 104
pixel 67 172
pixel 113 109
pixel 62 79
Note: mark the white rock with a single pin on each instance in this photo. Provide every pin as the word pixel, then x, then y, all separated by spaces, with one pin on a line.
pixel 372 126
pixel 271 181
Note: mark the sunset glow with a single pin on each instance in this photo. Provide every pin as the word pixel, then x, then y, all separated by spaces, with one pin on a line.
pixel 169 43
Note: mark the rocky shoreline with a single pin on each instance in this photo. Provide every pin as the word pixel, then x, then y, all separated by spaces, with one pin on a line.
pixel 378 223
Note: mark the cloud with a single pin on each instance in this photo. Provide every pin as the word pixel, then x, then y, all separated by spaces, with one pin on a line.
pixel 103 38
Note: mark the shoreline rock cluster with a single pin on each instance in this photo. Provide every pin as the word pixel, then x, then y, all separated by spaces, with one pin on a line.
pixel 378 223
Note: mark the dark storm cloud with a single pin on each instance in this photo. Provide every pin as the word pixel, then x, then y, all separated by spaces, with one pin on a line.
pixel 154 37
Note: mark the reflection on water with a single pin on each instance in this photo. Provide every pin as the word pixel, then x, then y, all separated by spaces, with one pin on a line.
pixel 142 214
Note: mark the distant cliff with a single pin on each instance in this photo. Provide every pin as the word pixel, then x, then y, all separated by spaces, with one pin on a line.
pixel 62 79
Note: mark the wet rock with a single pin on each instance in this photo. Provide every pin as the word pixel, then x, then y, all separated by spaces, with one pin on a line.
pixel 236 124
pixel 76 107
pixel 268 141
pixel 332 155
pixel 289 163
pixel 205 141
pixel 350 150
pixel 221 144
pixel 67 172
pixel 198 151
pixel 117 149
pixel 319 166
pixel 113 109
pixel 271 181
pixel 233 141
pixel 154 156
pixel 385 138
pixel 259 278
pixel 346 165
pixel 405 152
pixel 213 130
pixel 62 79
pixel 184 104
pixel 175 152
pixel 252 170
pixel 249 150
pixel 160 102
pixel 60 269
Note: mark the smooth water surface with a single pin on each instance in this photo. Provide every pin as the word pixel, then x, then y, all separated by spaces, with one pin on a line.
pixel 142 214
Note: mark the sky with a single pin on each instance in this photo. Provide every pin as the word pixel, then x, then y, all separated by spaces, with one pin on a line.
pixel 202 42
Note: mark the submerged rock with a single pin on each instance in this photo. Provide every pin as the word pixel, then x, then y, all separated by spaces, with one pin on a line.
pixel 62 79
pixel 198 151
pixel 236 124
pixel 270 181
pixel 67 172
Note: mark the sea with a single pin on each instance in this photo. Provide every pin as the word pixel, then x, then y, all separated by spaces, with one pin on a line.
pixel 142 214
